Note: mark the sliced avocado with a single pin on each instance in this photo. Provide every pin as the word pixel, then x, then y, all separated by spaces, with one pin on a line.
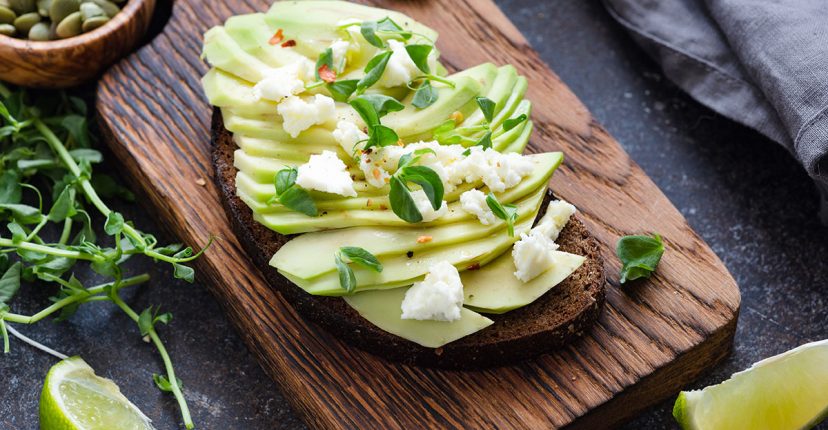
pixel 382 241
pixel 413 124
pixel 253 34
pixel 222 52
pixel 294 222
pixel 401 270
pixel 257 147
pixel 523 108
pixel 226 90
pixel 383 309
pixel 519 144
pixel 495 289
pixel 502 85
pixel 314 24
pixel 270 129
pixel 515 98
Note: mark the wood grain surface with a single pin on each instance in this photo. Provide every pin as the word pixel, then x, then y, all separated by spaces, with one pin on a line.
pixel 653 337
pixel 69 62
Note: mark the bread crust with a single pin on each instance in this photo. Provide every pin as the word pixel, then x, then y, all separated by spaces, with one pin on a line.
pixel 555 319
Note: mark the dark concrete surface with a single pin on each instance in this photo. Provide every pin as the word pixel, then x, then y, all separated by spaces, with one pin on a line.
pixel 744 195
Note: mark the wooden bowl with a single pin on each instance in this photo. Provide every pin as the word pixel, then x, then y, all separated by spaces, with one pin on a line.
pixel 68 62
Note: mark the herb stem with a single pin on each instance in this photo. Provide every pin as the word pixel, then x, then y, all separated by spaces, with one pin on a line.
pixel 176 389
pixel 439 79
pixel 57 252
pixel 67 230
pixel 5 335
pixel 37 228
pixel 37 344
pixel 86 186
pixel 62 303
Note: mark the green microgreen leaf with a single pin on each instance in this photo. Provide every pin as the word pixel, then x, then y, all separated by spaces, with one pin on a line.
pixel 90 155
pixel 10 282
pixel 18 234
pixel 412 157
pixel 23 214
pixel 342 90
pixel 427 179
pixel 78 130
pixel 402 202
pixel 285 179
pixel 64 205
pixel 186 273
pixel 419 55
pixel 114 223
pixel 145 321
pixel 10 189
pixel 164 384
pixel 425 96
pixel 445 134
pixel 298 199
pixel 373 71
pixel 639 255
pixel 382 104
pixel 507 212
pixel 347 280
pixel 487 106
pixel 366 111
pixel 514 122
pixel 385 26
pixel 362 257
pixel 380 135
pixel 485 141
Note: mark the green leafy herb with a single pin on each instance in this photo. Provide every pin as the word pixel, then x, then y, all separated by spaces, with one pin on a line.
pixel 362 257
pixel 506 212
pixel 425 96
pixel 373 71
pixel 485 141
pixel 371 108
pixel 513 122
pixel 385 26
pixel 47 190
pixel 402 202
pixel 290 195
pixel 639 255
pixel 382 104
pixel 342 90
pixel 380 135
pixel 487 107
pixel 419 55
pixel 347 280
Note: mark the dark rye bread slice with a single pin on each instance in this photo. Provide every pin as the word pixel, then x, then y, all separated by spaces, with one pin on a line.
pixel 553 320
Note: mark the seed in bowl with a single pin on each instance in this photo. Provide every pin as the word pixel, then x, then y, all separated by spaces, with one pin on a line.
pixel 43 20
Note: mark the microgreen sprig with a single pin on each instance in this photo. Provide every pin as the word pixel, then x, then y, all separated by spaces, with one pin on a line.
pixel 371 108
pixel 291 195
pixel 447 133
pixel 360 256
pixel 507 212
pixel 400 197
pixel 639 255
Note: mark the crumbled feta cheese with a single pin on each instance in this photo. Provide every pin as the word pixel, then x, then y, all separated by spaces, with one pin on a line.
pixel 474 202
pixel 557 215
pixel 400 69
pixel 497 170
pixel 425 208
pixel 438 297
pixel 282 82
pixel 339 49
pixel 300 113
pixel 375 175
pixel 532 255
pixel 348 134
pixel 327 173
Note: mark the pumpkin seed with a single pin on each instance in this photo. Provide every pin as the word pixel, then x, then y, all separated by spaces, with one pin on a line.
pixel 94 22
pixel 7 16
pixel 25 22
pixel 110 8
pixel 23 6
pixel 43 7
pixel 70 26
pixel 90 10
pixel 7 29
pixel 60 9
pixel 41 32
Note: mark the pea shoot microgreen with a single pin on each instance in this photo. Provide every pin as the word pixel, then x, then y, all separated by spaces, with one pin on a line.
pixel 49 198
pixel 371 108
pixel 507 212
pixel 402 202
pixel 639 255
pixel 290 195
pixel 360 256
pixel 447 133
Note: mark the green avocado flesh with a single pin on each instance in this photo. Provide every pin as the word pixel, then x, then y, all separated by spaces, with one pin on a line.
pixel 495 289
pixel 382 308
pixel 245 50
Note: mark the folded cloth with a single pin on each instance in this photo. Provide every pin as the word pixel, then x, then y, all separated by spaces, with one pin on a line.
pixel 763 63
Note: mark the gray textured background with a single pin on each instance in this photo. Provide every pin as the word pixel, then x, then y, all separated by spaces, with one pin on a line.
pixel 757 211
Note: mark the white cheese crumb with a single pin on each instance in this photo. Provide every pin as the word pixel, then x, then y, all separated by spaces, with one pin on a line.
pixel 339 51
pixel 532 255
pixel 375 175
pixel 474 202
pixel 400 68
pixel 438 297
pixel 497 170
pixel 300 113
pixel 282 82
pixel 327 173
pixel 557 215
pixel 348 134
pixel 425 208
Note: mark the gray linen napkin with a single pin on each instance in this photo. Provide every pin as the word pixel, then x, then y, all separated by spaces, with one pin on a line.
pixel 763 63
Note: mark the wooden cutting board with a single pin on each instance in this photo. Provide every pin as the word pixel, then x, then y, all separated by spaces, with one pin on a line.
pixel 653 337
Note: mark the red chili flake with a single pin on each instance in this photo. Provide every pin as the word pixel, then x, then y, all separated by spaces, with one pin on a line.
pixel 326 74
pixel 277 38
pixel 289 43
pixel 474 266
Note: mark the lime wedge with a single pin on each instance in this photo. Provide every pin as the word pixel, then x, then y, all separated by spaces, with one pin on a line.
pixel 74 398
pixel 785 392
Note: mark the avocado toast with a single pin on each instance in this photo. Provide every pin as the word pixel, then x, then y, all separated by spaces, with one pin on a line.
pixel 334 121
